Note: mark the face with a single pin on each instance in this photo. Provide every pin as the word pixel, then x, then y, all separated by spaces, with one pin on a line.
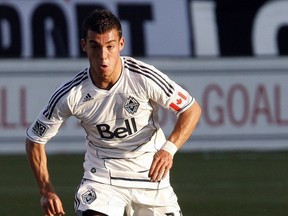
pixel 103 52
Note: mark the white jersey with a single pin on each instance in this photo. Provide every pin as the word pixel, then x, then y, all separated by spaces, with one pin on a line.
pixel 121 124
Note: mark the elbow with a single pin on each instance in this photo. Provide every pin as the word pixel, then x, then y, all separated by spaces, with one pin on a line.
pixel 28 145
pixel 196 110
pixel 193 113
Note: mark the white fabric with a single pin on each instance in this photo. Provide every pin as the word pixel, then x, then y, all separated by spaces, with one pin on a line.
pixel 121 124
pixel 112 200
pixel 170 147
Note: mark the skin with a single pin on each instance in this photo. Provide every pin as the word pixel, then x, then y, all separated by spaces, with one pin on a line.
pixel 103 52
pixel 183 129
pixel 50 202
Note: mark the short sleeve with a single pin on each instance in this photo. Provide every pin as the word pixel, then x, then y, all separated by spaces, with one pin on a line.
pixel 46 126
pixel 168 94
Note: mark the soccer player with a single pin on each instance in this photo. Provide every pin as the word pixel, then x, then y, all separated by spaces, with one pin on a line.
pixel 116 98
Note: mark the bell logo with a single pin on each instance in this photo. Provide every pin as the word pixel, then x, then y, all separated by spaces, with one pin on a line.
pixel 120 132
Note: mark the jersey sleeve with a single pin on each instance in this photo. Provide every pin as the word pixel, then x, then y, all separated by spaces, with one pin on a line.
pixel 48 122
pixel 169 94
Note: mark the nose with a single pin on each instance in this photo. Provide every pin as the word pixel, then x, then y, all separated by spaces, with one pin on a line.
pixel 103 53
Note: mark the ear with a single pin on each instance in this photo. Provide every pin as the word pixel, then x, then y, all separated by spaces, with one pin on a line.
pixel 121 43
pixel 83 44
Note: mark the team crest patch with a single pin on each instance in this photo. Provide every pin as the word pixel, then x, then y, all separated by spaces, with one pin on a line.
pixel 89 196
pixel 39 128
pixel 131 105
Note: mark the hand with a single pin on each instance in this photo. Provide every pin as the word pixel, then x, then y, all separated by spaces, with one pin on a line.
pixel 161 165
pixel 51 204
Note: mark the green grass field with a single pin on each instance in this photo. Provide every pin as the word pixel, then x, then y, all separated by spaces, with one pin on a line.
pixel 207 184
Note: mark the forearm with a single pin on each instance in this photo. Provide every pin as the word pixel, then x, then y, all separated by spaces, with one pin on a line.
pixel 185 125
pixel 38 161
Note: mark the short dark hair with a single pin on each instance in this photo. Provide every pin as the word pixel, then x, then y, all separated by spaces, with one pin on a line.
pixel 101 21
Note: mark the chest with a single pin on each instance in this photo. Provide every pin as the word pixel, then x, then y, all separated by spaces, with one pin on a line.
pixel 113 107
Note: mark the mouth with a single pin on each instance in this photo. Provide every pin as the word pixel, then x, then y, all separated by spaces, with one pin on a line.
pixel 103 66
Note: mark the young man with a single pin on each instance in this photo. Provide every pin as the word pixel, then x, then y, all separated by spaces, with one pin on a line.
pixel 116 99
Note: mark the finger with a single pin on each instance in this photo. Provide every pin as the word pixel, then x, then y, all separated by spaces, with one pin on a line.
pixel 158 171
pixel 52 206
pixel 159 175
pixel 153 167
pixel 49 208
pixel 45 206
pixel 55 207
pixel 166 171
pixel 161 164
pixel 48 212
pixel 156 164
pixel 161 170
pixel 58 207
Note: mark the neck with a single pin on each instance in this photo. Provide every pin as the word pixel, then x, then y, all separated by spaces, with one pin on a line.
pixel 107 82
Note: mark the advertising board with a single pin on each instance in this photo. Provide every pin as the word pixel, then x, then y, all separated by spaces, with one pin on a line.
pixel 244 101
pixel 190 28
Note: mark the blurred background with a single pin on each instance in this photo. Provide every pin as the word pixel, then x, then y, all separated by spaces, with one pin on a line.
pixel 232 56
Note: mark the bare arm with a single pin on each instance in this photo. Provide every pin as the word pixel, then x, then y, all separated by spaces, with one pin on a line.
pixel 50 202
pixel 183 129
pixel 185 125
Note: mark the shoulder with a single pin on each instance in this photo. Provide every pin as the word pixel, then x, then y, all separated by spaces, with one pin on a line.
pixel 77 81
pixel 134 64
pixel 154 78
pixel 146 71
pixel 66 95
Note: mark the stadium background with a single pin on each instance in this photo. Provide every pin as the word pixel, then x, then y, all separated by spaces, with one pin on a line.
pixel 232 56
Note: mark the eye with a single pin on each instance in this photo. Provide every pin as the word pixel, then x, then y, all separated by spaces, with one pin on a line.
pixel 94 47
